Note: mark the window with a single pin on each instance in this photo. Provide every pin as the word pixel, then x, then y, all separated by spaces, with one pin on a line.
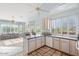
pixel 20 28
pixel 16 28
pixel 38 29
pixel 35 26
pixel 66 25
pixel 77 26
pixel 72 25
pixel 56 26
pixel 8 27
pixel 52 26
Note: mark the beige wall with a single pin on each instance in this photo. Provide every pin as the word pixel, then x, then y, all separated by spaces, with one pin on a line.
pixel 45 23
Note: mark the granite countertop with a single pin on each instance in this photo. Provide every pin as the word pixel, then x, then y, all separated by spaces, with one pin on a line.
pixel 33 36
pixel 66 37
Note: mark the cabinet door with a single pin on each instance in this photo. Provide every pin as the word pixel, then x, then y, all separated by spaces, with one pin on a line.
pixel 49 41
pixel 31 45
pixel 38 42
pixel 42 41
pixel 73 49
pixel 77 49
pixel 65 45
pixel 56 43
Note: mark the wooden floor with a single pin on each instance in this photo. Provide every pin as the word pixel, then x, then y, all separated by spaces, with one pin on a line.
pixel 46 51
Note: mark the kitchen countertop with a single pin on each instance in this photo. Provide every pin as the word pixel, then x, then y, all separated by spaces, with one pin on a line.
pixel 68 37
pixel 65 37
pixel 33 36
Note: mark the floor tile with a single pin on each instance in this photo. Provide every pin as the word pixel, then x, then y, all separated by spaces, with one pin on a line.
pixel 38 54
pixel 34 53
pixel 57 53
pixel 46 51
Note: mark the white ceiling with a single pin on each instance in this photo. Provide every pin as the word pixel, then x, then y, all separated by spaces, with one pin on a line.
pixel 25 11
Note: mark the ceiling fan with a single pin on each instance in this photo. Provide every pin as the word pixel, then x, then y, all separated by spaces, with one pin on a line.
pixel 39 9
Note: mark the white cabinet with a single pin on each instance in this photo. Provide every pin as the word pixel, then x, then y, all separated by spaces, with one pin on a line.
pixel 49 41
pixel 31 45
pixel 73 49
pixel 42 41
pixel 64 45
pixel 77 47
pixel 35 43
pixel 38 42
pixel 56 43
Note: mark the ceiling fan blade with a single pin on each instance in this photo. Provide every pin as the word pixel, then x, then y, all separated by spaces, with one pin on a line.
pixel 38 13
pixel 31 5
pixel 40 5
pixel 44 10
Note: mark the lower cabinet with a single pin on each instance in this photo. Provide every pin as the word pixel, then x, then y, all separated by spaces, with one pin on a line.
pixel 73 47
pixel 38 42
pixel 42 41
pixel 64 45
pixel 49 41
pixel 68 46
pixel 77 43
pixel 35 43
pixel 56 43
pixel 31 45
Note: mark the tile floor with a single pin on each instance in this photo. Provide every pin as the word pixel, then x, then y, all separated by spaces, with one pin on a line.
pixel 46 51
